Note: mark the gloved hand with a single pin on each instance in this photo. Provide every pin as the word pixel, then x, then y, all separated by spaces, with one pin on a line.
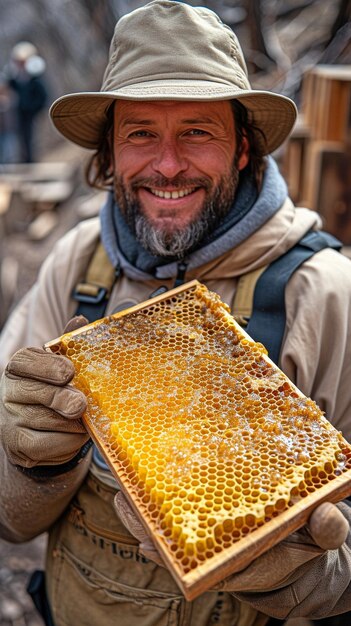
pixel 327 529
pixel 39 411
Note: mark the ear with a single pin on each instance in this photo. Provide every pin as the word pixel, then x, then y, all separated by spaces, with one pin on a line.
pixel 243 153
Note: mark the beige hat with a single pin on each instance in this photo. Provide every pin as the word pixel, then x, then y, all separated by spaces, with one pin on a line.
pixel 168 50
pixel 23 51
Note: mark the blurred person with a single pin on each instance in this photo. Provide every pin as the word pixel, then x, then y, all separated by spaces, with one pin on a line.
pixel 182 145
pixel 8 126
pixel 26 79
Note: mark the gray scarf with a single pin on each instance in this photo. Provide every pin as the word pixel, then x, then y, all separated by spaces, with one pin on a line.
pixel 248 213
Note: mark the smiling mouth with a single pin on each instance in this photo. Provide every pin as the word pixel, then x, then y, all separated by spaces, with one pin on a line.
pixel 172 195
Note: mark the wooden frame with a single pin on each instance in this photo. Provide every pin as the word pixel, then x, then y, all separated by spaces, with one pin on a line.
pixel 244 551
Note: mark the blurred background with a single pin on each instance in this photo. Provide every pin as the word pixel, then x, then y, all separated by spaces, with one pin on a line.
pixel 300 48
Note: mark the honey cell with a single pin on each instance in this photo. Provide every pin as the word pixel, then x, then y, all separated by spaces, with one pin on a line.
pixel 213 439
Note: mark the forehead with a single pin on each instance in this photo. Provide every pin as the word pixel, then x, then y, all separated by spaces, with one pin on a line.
pixel 159 110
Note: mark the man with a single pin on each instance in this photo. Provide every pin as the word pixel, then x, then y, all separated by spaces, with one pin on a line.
pixel 182 142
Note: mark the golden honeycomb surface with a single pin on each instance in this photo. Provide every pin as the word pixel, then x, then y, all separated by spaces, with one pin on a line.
pixel 208 436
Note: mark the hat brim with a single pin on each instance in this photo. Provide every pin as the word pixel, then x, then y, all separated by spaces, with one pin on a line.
pixel 81 117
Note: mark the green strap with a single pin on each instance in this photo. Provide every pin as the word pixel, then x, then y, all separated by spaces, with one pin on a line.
pixel 244 294
pixel 100 274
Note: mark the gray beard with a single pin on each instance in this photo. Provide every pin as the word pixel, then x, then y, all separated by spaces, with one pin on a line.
pixel 178 243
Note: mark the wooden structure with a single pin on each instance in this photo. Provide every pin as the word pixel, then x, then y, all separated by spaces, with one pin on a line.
pixel 31 195
pixel 32 191
pixel 317 161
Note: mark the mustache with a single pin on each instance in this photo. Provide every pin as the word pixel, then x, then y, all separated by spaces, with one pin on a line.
pixel 177 182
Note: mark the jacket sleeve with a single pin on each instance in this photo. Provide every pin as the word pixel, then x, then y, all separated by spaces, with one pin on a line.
pixel 43 313
pixel 316 352
pixel 28 506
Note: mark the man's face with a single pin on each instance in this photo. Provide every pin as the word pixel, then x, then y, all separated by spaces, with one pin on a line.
pixel 175 170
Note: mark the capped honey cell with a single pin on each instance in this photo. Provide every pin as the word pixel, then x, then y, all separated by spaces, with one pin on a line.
pixel 205 434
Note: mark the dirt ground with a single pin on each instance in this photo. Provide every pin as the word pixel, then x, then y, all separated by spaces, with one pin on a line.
pixel 16 565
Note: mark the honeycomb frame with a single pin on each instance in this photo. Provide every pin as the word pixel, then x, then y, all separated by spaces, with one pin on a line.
pixel 195 529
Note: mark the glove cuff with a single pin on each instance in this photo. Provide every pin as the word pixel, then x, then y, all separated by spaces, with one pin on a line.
pixel 43 472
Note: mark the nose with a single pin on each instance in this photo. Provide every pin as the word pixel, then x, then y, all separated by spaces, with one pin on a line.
pixel 169 160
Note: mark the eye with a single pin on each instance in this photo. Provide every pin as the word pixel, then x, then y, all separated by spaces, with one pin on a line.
pixel 196 135
pixel 139 133
pixel 140 137
pixel 197 132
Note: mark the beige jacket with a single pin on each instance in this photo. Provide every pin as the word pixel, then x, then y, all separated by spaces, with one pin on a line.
pixel 316 350
pixel 316 355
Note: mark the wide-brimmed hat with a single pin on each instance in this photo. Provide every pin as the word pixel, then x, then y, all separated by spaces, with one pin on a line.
pixel 169 50
pixel 23 50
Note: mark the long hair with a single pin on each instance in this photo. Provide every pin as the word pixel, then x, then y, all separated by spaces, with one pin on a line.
pixel 99 172
pixel 256 138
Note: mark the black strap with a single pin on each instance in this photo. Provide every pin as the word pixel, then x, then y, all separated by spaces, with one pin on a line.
pixel 336 620
pixel 45 472
pixel 181 271
pixel 267 323
pixel 92 307
pixel 37 590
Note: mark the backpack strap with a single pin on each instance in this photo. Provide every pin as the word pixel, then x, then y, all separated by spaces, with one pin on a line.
pixel 267 322
pixel 92 294
pixel 259 302
pixel 242 304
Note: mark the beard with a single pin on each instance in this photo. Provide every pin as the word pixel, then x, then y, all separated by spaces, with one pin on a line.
pixel 177 243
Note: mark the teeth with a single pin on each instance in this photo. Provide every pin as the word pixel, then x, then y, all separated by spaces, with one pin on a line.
pixel 171 194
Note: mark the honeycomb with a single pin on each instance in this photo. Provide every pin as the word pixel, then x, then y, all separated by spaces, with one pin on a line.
pixel 206 435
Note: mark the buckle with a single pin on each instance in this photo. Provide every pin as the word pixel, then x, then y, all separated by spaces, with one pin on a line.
pixel 158 292
pixel 90 299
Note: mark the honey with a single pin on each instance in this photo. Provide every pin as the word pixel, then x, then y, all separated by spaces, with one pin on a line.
pixel 206 435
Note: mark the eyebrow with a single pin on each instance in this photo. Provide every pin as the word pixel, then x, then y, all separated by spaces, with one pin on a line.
pixel 138 122
pixel 200 120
